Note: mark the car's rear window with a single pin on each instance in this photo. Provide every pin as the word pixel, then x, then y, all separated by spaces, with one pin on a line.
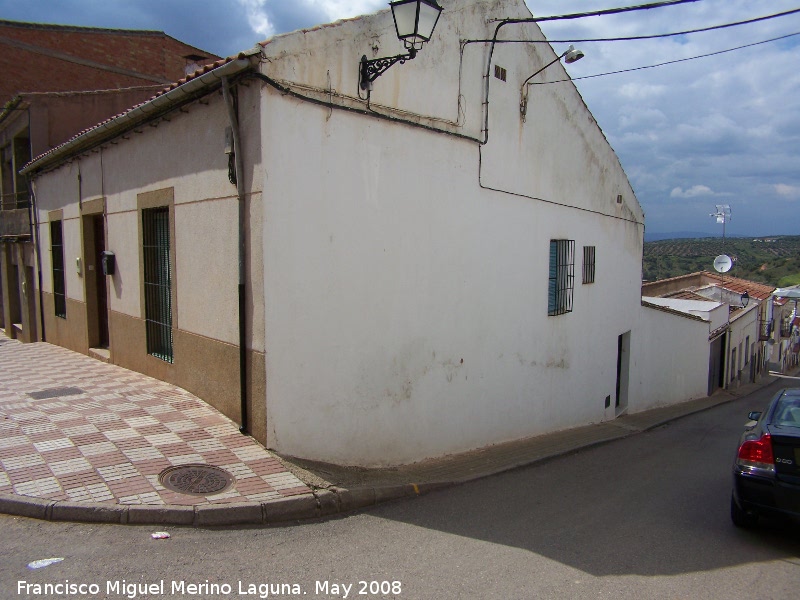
pixel 787 410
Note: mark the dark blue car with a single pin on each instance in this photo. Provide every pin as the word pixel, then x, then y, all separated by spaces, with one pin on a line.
pixel 766 472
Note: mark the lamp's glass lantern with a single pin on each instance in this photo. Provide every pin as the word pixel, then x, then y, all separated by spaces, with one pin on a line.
pixel 415 21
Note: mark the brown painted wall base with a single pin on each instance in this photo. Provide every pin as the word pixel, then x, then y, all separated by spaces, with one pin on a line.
pixel 70 332
pixel 205 367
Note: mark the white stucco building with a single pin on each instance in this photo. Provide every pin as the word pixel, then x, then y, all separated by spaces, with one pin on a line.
pixel 418 277
pixel 714 337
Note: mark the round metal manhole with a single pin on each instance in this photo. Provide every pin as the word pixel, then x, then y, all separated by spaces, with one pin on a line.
pixel 197 480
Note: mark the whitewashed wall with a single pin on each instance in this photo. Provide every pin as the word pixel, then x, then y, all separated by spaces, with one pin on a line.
pixel 186 153
pixel 743 326
pixel 406 307
pixel 670 359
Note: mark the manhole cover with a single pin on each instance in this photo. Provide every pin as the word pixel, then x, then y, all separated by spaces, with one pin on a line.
pixel 197 480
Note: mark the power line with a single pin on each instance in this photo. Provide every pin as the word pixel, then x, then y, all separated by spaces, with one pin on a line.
pixel 646 37
pixel 505 22
pixel 598 13
pixel 670 62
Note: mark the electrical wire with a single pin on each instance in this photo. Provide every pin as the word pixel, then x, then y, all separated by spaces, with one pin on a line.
pixel 643 37
pixel 504 22
pixel 599 13
pixel 669 62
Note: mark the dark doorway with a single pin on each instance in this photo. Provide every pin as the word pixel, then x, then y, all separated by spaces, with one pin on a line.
pixel 94 242
pixel 716 365
pixel 98 224
pixel 623 372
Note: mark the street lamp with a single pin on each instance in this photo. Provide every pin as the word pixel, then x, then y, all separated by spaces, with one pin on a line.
pixel 414 21
pixel 745 299
pixel 570 56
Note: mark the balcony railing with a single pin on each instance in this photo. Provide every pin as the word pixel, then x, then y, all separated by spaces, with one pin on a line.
pixel 15 219
pixel 15 201
pixel 786 328
pixel 765 329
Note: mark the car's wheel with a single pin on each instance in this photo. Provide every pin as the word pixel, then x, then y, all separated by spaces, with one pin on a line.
pixel 740 517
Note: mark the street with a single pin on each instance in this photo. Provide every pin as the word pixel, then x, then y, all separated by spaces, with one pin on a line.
pixel 643 517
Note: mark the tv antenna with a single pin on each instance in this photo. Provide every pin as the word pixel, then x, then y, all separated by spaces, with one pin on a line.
pixel 723 262
pixel 723 215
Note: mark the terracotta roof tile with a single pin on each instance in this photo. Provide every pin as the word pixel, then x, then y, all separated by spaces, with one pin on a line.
pixel 761 291
pixel 201 71
pixel 686 295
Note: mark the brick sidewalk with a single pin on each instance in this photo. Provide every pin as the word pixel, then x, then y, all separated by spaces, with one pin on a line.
pixel 76 429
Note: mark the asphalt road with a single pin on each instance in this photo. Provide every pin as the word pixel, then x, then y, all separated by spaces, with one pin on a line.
pixel 644 517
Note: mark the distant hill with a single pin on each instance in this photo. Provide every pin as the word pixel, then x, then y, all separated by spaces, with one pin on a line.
pixel 774 260
pixel 676 235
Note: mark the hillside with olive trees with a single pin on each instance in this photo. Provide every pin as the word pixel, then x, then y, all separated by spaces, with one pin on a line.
pixel 774 260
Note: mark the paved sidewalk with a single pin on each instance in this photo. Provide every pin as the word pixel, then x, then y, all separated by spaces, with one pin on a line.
pixel 86 440
pixel 83 440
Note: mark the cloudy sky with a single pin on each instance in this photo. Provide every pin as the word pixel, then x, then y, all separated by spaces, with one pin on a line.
pixel 718 130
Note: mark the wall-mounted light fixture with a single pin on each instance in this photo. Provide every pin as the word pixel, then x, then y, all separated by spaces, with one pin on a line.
pixel 570 56
pixel 414 21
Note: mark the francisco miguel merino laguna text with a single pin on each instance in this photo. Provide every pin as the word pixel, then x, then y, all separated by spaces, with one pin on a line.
pixel 134 590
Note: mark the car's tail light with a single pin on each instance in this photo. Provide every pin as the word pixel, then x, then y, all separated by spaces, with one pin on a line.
pixel 757 454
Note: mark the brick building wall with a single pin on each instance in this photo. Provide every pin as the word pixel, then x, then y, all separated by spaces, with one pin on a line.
pixel 57 58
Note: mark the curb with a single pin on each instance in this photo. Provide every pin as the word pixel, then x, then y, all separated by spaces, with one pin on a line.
pixel 320 503
pixel 292 509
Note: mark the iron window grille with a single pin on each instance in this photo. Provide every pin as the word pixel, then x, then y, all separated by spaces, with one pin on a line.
pixel 562 277
pixel 588 264
pixel 57 260
pixel 157 282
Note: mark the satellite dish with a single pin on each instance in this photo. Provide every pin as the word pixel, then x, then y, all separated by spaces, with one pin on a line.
pixel 723 263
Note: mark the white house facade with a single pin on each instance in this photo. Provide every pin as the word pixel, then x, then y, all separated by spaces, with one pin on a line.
pixel 392 277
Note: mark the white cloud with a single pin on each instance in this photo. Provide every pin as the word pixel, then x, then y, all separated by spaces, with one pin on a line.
pixel 695 191
pixel 787 191
pixel 638 91
pixel 344 9
pixel 257 17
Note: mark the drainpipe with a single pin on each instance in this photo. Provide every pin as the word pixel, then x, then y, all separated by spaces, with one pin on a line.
pixel 237 156
pixel 38 250
pixel 33 214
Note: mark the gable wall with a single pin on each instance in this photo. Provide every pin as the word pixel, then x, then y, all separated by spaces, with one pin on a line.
pixel 406 305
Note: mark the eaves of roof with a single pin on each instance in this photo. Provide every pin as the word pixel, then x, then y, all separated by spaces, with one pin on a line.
pixel 672 311
pixel 194 86
pixel 10 106
pixel 23 100
pixel 78 28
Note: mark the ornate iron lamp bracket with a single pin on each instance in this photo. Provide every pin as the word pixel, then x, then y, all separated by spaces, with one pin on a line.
pixel 372 69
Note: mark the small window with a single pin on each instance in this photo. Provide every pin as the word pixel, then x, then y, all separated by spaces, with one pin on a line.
pixel 562 277
pixel 157 282
pixel 57 259
pixel 500 73
pixel 588 264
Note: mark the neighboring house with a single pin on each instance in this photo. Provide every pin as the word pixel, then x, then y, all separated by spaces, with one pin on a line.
pixel 785 347
pixel 681 356
pixel 737 345
pixel 57 81
pixel 373 280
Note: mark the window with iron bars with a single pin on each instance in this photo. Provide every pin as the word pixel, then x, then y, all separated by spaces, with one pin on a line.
pixel 588 264
pixel 562 277
pixel 157 282
pixel 57 260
